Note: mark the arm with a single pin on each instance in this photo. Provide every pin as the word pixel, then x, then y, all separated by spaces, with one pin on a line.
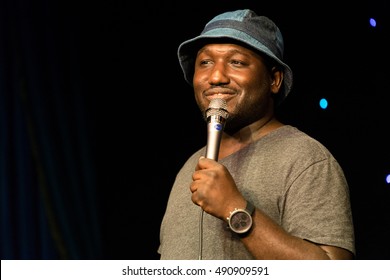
pixel 267 240
pixel 215 191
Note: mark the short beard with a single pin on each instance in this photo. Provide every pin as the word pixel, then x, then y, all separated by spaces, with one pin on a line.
pixel 241 117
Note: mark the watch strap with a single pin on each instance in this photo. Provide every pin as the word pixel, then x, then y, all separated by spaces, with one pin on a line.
pixel 250 208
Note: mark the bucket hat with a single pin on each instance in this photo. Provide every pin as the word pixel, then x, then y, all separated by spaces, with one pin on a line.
pixel 245 26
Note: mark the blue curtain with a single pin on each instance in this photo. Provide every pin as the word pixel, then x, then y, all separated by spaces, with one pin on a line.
pixel 48 188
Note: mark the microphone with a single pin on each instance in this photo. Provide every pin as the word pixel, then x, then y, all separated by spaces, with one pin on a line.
pixel 216 116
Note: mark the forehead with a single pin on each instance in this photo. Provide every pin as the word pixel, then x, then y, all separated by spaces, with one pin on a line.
pixel 227 49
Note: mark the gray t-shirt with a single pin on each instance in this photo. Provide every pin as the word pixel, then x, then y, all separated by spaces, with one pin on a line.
pixel 287 174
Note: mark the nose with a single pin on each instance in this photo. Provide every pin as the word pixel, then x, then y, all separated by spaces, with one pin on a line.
pixel 218 75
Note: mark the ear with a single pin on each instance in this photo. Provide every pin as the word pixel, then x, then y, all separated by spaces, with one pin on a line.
pixel 277 79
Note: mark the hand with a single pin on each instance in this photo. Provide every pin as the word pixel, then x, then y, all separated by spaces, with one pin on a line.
pixel 214 190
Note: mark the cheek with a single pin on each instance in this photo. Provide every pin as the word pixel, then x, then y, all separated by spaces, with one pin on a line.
pixel 202 74
pixel 197 91
pixel 198 79
pixel 199 86
pixel 199 98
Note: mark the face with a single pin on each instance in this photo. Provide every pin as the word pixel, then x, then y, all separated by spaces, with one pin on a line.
pixel 239 76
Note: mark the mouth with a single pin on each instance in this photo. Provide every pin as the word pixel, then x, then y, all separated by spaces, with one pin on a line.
pixel 216 95
pixel 224 94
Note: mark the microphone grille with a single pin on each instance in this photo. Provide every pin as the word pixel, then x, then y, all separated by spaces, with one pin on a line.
pixel 217 107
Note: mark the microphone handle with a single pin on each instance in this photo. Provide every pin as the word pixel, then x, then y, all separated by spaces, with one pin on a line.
pixel 215 126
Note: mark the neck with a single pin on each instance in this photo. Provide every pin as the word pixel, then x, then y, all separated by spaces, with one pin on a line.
pixel 247 135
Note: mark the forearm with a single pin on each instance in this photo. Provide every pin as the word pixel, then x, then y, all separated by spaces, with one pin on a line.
pixel 268 240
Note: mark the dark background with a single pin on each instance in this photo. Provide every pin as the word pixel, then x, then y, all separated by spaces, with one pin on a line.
pixel 142 121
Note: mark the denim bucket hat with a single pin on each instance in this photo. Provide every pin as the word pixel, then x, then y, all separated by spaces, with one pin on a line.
pixel 258 32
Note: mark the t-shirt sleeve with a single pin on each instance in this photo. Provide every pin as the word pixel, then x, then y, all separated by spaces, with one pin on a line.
pixel 317 206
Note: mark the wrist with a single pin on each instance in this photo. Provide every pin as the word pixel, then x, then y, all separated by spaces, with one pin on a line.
pixel 240 220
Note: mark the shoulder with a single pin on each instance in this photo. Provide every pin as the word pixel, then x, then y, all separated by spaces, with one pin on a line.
pixel 291 141
pixel 191 162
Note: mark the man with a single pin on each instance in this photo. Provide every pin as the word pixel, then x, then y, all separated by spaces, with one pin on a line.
pixel 274 192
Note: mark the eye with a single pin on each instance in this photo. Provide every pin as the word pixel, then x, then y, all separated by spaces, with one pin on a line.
pixel 237 63
pixel 205 62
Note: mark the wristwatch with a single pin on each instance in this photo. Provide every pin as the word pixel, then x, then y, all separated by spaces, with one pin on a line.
pixel 240 220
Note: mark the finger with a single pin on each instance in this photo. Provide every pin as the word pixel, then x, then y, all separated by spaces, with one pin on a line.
pixel 197 167
pixel 197 199
pixel 193 187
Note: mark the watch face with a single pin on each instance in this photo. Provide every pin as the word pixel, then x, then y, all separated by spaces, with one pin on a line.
pixel 240 221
